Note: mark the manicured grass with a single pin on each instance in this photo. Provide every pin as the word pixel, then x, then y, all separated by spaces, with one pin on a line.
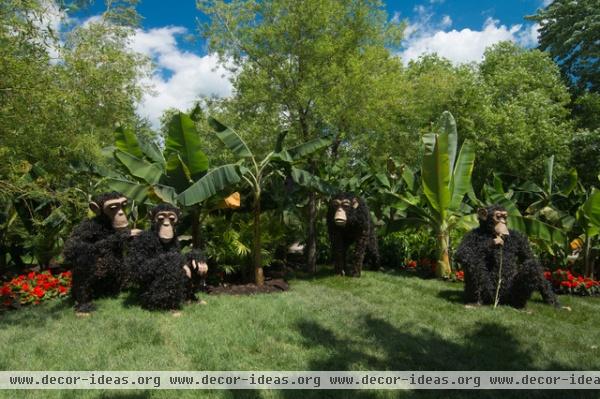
pixel 382 321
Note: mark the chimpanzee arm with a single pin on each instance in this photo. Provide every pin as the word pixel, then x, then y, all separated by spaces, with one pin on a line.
pixel 471 254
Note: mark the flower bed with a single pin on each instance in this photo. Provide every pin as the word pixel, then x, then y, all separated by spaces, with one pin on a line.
pixel 565 281
pixel 34 288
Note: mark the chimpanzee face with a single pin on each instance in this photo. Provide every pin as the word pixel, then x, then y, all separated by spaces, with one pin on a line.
pixel 165 222
pixel 497 218
pixel 114 211
pixel 343 206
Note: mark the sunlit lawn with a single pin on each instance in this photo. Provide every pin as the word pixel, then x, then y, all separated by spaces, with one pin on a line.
pixel 382 321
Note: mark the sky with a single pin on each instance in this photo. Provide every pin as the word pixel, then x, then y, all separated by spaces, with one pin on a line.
pixel 459 30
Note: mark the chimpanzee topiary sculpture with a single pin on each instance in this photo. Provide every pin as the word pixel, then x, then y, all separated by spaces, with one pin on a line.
pixel 163 274
pixel 492 251
pixel 94 251
pixel 349 221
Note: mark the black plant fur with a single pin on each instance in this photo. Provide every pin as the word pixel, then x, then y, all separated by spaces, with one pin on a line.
pixel 94 251
pixel 521 272
pixel 359 229
pixel 157 267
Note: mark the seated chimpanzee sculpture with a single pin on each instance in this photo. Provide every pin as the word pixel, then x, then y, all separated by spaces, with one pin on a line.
pixel 499 265
pixel 94 251
pixel 163 274
pixel 349 221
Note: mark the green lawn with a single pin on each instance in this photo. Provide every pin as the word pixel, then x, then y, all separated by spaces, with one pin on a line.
pixel 382 321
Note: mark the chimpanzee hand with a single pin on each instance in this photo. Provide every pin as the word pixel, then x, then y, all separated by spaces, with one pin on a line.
pixel 135 232
pixel 498 241
pixel 195 264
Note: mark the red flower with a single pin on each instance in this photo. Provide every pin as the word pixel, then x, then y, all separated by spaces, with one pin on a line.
pixel 62 290
pixel 565 284
pixel 412 264
pixel 25 287
pixel 5 291
pixel 46 285
pixel 31 275
pixel 37 291
pixel 548 275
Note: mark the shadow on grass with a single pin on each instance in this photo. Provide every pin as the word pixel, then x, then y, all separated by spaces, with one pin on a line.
pixel 35 315
pixel 490 346
pixel 454 296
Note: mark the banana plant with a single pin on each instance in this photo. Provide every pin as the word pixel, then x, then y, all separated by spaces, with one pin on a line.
pixel 445 180
pixel 548 196
pixel 155 175
pixel 547 236
pixel 588 217
pixel 254 172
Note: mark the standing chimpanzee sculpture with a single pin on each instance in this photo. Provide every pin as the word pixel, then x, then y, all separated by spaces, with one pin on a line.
pixel 492 250
pixel 94 251
pixel 163 274
pixel 349 221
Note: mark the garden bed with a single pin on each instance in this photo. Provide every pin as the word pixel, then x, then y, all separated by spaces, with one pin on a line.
pixel 270 286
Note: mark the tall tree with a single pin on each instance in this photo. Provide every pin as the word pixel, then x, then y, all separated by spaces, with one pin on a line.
pixel 526 117
pixel 63 88
pixel 311 67
pixel 570 32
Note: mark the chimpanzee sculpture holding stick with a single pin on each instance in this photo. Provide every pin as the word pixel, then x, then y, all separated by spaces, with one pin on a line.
pixel 95 251
pixel 349 221
pixel 499 265
pixel 163 274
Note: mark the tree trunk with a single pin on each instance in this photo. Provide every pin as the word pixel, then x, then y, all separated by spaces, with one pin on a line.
pixel 443 268
pixel 196 240
pixel 587 259
pixel 259 278
pixel 311 238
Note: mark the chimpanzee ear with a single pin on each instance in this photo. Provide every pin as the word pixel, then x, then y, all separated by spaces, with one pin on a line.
pixel 95 208
pixel 482 214
pixel 354 203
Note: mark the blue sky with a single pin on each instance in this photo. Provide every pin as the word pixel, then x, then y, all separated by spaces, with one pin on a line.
pixel 457 30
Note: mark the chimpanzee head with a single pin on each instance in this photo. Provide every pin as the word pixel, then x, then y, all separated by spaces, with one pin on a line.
pixel 110 209
pixel 164 219
pixel 494 219
pixel 342 208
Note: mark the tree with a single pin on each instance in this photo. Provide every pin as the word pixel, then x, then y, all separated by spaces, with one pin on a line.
pixel 63 89
pixel 526 119
pixel 311 67
pixel 62 92
pixel 570 32
pixel 255 172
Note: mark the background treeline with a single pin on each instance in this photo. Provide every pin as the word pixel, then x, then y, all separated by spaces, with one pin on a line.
pixel 314 69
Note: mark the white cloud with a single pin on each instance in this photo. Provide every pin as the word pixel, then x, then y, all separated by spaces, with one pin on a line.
pixel 446 21
pixel 182 76
pixel 461 46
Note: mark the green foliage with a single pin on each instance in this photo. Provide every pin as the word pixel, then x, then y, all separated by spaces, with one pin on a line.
pixel 585 153
pixel 569 31
pixel 409 244
pixel 445 179
pixel 254 172
pixel 35 217
pixel 526 118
